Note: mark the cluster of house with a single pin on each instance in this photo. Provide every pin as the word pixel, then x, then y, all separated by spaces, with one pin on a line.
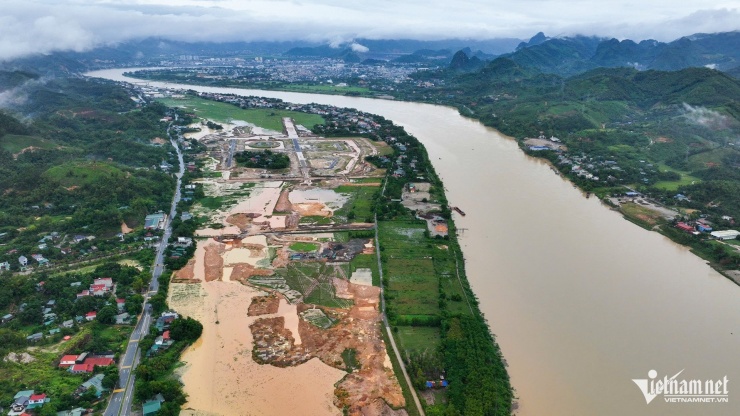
pixel 179 246
pixel 85 363
pixel 23 262
pixel 26 400
pixel 101 287
pixel 163 340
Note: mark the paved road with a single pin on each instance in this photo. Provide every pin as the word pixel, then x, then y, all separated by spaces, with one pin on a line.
pixel 230 156
pixel 122 399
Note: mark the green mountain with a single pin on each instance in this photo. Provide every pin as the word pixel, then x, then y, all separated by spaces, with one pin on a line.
pixel 572 55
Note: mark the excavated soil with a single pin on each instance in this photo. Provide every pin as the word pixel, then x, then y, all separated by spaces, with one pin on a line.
pixel 312 209
pixel 364 391
pixel 264 305
pixel 243 271
pixel 240 220
pixel 186 273
pixel 283 203
pixel 214 262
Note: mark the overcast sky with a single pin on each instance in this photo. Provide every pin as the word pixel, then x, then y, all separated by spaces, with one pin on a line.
pixel 28 26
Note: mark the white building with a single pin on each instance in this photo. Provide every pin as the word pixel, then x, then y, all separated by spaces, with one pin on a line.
pixel 725 234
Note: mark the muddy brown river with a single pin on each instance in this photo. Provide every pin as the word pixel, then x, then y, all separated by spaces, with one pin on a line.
pixel 581 301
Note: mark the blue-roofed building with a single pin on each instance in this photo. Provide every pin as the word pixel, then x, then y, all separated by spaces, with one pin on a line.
pixel 155 221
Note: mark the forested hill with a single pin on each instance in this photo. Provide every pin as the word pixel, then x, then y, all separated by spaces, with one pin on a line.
pixel 661 132
pixel 572 55
pixel 77 157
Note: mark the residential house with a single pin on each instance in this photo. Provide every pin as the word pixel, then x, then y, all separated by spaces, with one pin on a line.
pixel 89 364
pixel 20 401
pixel 155 221
pixel 123 318
pixel 68 361
pixel 106 281
pixel 151 407
pixel 23 260
pixel 95 381
pixel 5 266
pixel 98 290
pixel 184 242
pixel 73 412
pixel 42 261
pixel 81 368
pixel 164 321
pixel 121 304
pixel 7 318
pixel 90 316
pixel 37 400
pixel 68 324
pixel 83 294
pixel 35 337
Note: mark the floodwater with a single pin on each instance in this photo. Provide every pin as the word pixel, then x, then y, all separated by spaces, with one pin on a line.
pixel 581 301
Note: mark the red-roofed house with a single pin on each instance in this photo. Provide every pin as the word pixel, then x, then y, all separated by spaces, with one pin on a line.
pixel 83 294
pixel 166 335
pixel 91 315
pixel 67 360
pixel 105 281
pixel 82 368
pixel 121 303
pixel 99 361
pixel 99 290
pixel 37 399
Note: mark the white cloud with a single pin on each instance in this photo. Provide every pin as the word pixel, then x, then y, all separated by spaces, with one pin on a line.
pixel 43 26
pixel 359 48
pixel 705 117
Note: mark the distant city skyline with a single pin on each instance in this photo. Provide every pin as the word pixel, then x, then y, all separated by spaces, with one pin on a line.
pixel 45 26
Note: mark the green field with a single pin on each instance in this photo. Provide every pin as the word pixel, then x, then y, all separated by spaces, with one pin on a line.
pixel 366 261
pixel 360 205
pixel 325 89
pixel 82 173
pixel 686 179
pixel 14 143
pixel 419 338
pixel 304 247
pixel 420 275
pixel 225 113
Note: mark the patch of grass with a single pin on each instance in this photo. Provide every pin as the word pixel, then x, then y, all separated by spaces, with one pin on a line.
pixel 14 143
pixel 325 89
pixel 360 205
pixel 304 247
pixel 642 215
pixel 686 179
pixel 80 173
pixel 418 338
pixel 212 202
pixel 225 112
pixel 349 356
pixel 366 261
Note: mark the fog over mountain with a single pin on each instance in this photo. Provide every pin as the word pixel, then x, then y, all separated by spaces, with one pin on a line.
pixel 45 26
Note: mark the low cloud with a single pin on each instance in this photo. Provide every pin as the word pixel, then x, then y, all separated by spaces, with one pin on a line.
pixel 706 117
pixel 45 26
pixel 17 97
pixel 359 48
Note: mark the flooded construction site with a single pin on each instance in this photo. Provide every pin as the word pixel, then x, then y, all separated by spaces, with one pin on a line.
pixel 280 282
